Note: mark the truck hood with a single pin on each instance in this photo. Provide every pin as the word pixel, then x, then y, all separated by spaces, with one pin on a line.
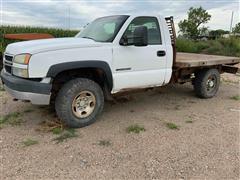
pixel 37 46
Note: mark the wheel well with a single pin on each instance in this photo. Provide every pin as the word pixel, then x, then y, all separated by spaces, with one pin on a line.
pixel 95 74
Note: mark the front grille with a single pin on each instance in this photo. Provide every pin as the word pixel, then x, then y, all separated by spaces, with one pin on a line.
pixel 7 61
pixel 8 58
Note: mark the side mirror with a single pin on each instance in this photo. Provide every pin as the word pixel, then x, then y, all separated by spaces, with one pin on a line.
pixel 124 41
pixel 140 36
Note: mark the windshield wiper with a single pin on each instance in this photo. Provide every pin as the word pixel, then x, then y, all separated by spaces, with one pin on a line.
pixel 88 38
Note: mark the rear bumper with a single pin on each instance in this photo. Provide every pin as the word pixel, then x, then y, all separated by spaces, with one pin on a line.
pixel 23 89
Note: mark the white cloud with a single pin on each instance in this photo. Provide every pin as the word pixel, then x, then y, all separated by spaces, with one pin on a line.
pixel 221 17
pixel 92 11
pixel 56 13
pixel 21 19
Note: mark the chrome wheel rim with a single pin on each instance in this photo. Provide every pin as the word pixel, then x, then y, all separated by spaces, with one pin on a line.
pixel 211 83
pixel 83 104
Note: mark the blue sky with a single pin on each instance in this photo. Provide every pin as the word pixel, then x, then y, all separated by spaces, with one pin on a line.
pixel 74 14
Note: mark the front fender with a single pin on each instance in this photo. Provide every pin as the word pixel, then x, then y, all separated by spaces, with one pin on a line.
pixel 54 70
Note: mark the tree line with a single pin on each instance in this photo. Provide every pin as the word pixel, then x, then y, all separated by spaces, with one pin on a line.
pixel 194 26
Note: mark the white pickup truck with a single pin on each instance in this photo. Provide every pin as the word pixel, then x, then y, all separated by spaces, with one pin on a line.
pixel 112 54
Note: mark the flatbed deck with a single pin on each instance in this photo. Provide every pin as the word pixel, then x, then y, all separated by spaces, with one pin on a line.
pixel 184 60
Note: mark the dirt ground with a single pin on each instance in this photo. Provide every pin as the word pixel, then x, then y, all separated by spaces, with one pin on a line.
pixel 205 144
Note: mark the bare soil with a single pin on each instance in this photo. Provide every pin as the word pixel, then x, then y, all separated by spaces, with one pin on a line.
pixel 204 146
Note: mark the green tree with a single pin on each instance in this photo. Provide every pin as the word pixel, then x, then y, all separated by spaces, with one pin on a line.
pixel 191 27
pixel 236 29
pixel 217 33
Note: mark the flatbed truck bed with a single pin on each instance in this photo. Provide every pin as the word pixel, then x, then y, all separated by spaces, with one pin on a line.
pixel 184 60
pixel 187 64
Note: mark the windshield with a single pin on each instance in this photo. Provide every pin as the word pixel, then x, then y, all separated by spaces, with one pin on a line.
pixel 103 29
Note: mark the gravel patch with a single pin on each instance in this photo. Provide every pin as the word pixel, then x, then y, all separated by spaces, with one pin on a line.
pixel 206 148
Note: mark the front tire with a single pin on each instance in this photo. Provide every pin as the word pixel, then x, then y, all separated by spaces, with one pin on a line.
pixel 79 102
pixel 206 83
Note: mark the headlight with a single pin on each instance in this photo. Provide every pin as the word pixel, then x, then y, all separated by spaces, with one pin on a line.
pixel 20 72
pixel 22 58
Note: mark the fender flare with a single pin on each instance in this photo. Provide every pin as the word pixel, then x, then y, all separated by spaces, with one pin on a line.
pixel 58 68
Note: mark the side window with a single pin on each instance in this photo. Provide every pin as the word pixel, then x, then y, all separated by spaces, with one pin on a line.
pixel 154 36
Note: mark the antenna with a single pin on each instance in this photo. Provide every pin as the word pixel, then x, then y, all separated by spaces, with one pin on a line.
pixel 68 16
pixel 231 23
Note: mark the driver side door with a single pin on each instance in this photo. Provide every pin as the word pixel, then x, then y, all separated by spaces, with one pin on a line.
pixel 140 66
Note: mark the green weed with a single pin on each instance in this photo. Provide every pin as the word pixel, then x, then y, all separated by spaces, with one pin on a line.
pixel 221 46
pixel 12 119
pixel 29 142
pixel 237 97
pixel 69 133
pixel 57 130
pixel 135 129
pixel 104 143
pixel 172 126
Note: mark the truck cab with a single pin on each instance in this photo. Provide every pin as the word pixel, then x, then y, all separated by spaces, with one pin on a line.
pixel 112 54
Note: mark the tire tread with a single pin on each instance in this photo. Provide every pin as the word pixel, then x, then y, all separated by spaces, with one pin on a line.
pixel 200 83
pixel 63 101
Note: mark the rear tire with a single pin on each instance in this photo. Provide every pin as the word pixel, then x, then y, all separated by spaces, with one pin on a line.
pixel 206 83
pixel 79 102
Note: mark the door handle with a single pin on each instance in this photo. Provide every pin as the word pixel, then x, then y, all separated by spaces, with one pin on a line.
pixel 161 53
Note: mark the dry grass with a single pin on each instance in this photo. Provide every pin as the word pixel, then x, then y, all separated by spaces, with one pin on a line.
pixel 104 143
pixel 50 125
pixel 29 142
pixel 68 133
pixel 1 88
